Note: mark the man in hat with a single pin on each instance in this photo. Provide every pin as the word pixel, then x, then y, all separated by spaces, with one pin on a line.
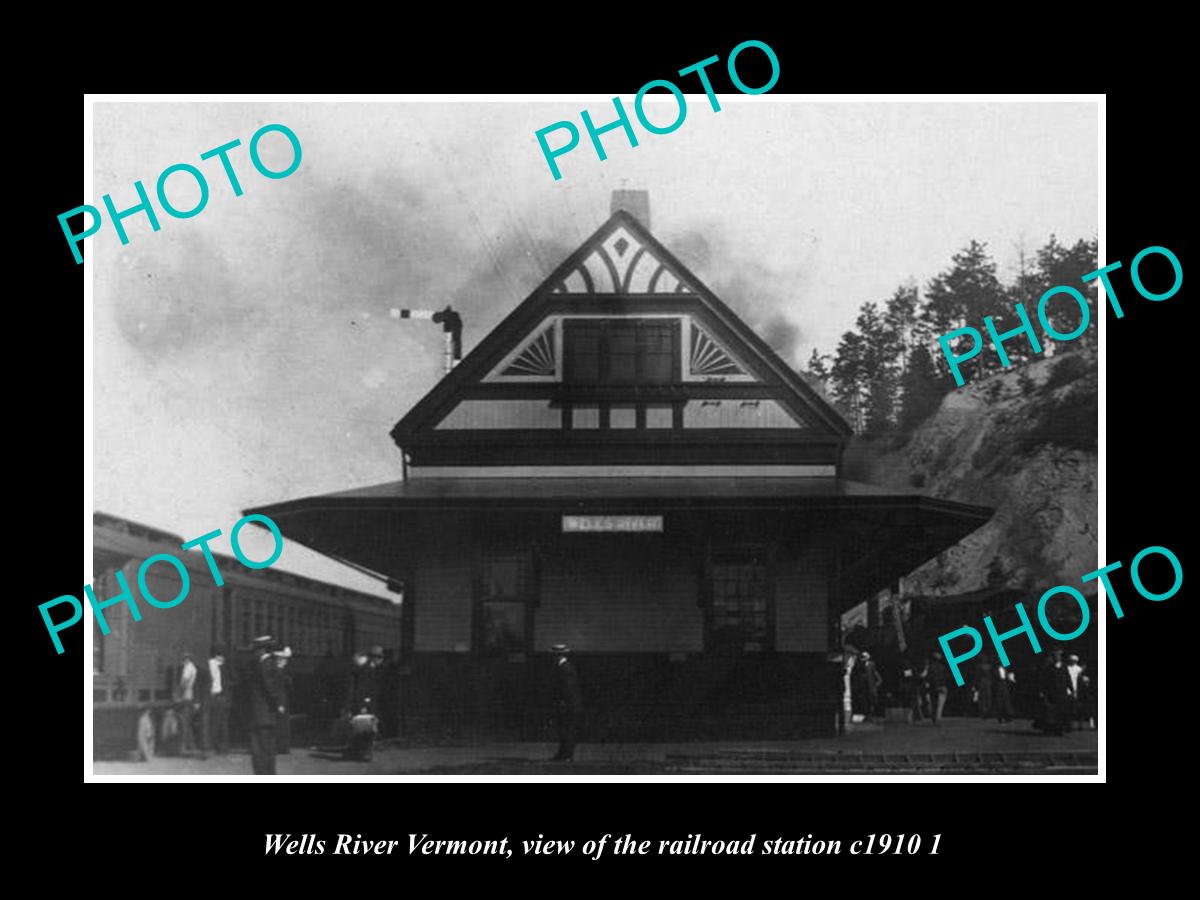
pixel 1054 695
pixel 265 704
pixel 983 683
pixel 568 702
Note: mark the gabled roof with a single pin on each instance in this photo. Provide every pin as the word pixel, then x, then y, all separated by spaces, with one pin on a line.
pixel 552 294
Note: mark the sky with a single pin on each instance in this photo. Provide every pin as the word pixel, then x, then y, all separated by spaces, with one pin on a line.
pixel 245 356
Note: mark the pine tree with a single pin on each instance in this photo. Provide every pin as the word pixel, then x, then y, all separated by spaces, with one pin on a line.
pixel 962 296
pixel 1026 290
pixel 848 373
pixel 880 349
pixel 1061 265
pixel 923 387
pixel 818 366
pixel 901 316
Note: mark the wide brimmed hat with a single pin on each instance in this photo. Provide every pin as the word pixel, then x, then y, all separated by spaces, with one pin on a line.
pixel 263 640
pixel 560 648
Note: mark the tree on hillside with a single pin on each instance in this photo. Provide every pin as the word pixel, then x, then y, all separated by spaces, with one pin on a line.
pixel 901 317
pixel 962 296
pixel 1026 289
pixel 818 366
pixel 922 388
pixel 880 348
pixel 1061 265
pixel 848 375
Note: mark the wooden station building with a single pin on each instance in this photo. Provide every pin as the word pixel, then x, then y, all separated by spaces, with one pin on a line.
pixel 624 466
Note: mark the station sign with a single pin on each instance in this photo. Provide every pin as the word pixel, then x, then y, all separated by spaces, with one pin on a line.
pixel 608 524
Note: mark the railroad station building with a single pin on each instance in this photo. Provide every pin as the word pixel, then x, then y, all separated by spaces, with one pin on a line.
pixel 624 466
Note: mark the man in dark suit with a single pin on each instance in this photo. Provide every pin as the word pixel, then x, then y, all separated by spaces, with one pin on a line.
pixel 871 682
pixel 265 704
pixel 1055 695
pixel 568 702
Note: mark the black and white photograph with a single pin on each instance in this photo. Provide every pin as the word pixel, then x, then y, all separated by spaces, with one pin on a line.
pixel 661 468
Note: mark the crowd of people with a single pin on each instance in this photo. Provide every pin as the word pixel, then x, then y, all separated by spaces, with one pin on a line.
pixel 356 701
pixel 1062 695
pixel 202 704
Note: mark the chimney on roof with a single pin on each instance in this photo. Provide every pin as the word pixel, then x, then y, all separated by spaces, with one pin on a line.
pixel 636 203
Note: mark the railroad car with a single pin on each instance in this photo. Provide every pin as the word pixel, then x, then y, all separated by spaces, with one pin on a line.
pixel 136 665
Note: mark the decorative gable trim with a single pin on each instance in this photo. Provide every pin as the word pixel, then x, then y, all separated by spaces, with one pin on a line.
pixel 622 263
pixel 536 360
pixel 709 360
pixel 561 294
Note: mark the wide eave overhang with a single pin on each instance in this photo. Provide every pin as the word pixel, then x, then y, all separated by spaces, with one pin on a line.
pixel 882 534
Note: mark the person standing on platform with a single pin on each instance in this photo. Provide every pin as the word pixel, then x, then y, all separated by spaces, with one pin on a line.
pixel 858 687
pixel 377 687
pixel 283 733
pixel 1087 700
pixel 924 705
pixel 364 683
pixel 187 703
pixel 214 705
pixel 874 683
pixel 908 688
pixel 265 705
pixel 837 681
pixel 568 703
pixel 1074 673
pixel 1004 682
pixel 984 679
pixel 939 687
pixel 1054 695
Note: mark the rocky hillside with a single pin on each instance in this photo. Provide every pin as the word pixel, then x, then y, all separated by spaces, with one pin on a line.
pixel 1022 441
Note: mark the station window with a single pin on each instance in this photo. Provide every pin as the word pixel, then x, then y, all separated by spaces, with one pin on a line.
pixel 504 597
pixel 621 351
pixel 738 604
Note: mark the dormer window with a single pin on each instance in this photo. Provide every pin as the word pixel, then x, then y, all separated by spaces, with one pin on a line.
pixel 621 351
